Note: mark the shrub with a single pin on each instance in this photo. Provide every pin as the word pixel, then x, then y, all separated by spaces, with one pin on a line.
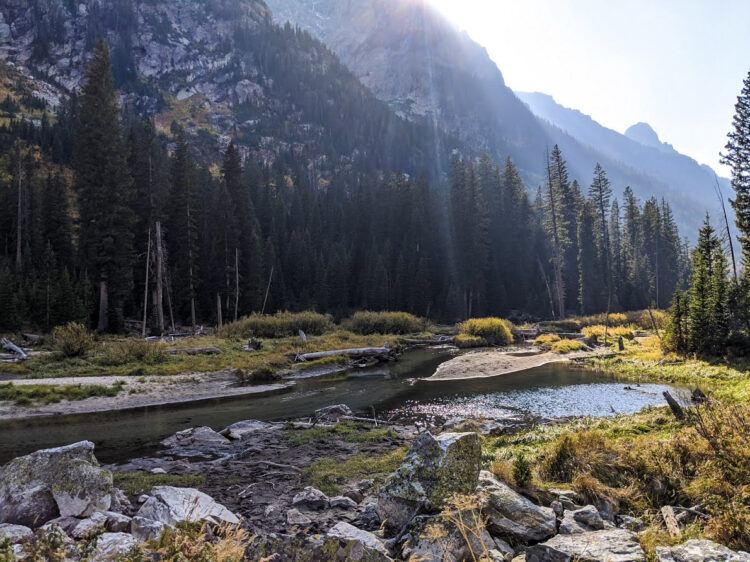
pixel 522 471
pixel 465 341
pixel 546 340
pixel 368 322
pixel 73 339
pixel 131 350
pixel 279 325
pixel 596 332
pixel 567 346
pixel 495 331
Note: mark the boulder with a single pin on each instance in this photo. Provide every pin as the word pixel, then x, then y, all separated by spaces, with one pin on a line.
pixel 333 412
pixel 63 481
pixel 342 502
pixel 117 522
pixel 111 547
pixel 434 469
pixel 89 527
pixel 581 520
pixel 296 518
pixel 512 516
pixel 311 498
pixel 241 428
pixel 170 505
pixel 15 533
pixel 64 524
pixel 195 437
pixel 634 524
pixel 145 529
pixel 359 544
pixel 120 501
pixel 696 550
pixel 612 545
pixel 434 538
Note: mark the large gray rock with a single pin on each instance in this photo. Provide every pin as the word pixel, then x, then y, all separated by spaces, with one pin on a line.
pixel 145 529
pixel 195 437
pixel 512 516
pixel 111 547
pixel 582 520
pixel 437 539
pixel 434 469
pixel 615 545
pixel 15 533
pixel 89 527
pixel 311 498
pixel 696 550
pixel 240 429
pixel 170 505
pixel 64 481
pixel 359 544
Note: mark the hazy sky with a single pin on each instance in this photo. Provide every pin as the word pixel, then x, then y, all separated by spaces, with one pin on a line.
pixel 675 64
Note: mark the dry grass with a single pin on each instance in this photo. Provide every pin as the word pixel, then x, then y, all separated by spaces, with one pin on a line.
pixel 597 333
pixel 494 331
pixel 279 325
pixel 546 340
pixel 567 346
pixel 368 322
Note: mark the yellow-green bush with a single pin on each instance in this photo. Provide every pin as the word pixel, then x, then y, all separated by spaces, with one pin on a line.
pixel 131 350
pixel 596 332
pixel 567 346
pixel 494 331
pixel 368 322
pixel 279 325
pixel 546 340
pixel 465 341
pixel 73 339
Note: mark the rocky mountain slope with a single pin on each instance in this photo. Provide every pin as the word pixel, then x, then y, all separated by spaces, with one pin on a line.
pixel 639 148
pixel 222 70
pixel 412 58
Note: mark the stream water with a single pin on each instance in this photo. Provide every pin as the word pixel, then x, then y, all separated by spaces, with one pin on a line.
pixel 549 391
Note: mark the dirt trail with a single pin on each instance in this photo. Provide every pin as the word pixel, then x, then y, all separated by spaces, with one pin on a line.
pixel 483 364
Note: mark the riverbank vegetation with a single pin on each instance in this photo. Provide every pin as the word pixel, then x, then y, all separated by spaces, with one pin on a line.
pixel 23 395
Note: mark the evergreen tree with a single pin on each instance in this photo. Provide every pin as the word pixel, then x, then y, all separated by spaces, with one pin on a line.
pixel 589 275
pixel 104 192
pixel 737 157
pixel 557 231
pixel 600 193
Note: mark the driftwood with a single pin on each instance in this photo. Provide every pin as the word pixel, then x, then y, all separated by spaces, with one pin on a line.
pixel 677 410
pixel 13 348
pixel 368 420
pixel 431 341
pixel 32 338
pixel 354 352
pixel 670 521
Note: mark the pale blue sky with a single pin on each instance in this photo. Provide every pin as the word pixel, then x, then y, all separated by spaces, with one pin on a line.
pixel 676 64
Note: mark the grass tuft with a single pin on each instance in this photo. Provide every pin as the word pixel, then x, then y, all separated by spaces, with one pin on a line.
pixel 369 322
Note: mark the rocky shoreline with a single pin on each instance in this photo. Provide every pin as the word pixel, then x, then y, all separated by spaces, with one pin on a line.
pixel 436 504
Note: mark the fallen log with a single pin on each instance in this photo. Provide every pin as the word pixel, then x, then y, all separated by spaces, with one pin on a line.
pixel 670 521
pixel 13 348
pixel 354 352
pixel 195 351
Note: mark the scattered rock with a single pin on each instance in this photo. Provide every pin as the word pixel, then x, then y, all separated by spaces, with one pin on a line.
pixel 195 436
pixel 117 522
pixel 696 550
pixel 512 516
pixel 558 508
pixel 145 529
pixel 434 469
pixel 355 495
pixel 333 412
pixel 65 481
pixel 240 429
pixel 311 498
pixel 505 550
pixel 157 470
pixel 15 533
pixel 295 517
pixel 119 501
pixel 362 545
pixel 170 505
pixel 89 527
pixel 634 524
pixel 64 524
pixel 369 518
pixel 342 502
pixel 113 546
pixel 143 497
pixel 589 516
pixel 569 526
pixel 616 545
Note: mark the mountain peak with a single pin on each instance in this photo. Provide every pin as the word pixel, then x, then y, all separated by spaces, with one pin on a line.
pixel 644 134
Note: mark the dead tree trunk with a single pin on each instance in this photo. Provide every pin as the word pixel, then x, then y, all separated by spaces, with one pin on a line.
pixel 219 322
pixel 236 282
pixel 159 280
pixel 103 322
pixel 145 285
pixel 677 410
pixel 19 218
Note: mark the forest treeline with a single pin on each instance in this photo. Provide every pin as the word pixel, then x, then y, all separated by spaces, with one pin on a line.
pixel 98 217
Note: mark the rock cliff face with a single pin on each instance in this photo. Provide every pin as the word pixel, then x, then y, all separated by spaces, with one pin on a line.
pixel 219 68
